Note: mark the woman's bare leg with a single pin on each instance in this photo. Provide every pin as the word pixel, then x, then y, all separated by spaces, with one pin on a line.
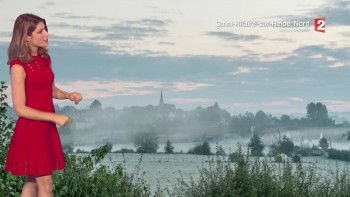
pixel 45 186
pixel 30 188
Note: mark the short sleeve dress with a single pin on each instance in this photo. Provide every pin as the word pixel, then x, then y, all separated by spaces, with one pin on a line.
pixel 35 148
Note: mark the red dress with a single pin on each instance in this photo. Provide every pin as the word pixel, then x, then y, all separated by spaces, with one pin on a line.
pixel 35 147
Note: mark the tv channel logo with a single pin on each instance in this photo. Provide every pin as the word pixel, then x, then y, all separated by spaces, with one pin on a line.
pixel 320 24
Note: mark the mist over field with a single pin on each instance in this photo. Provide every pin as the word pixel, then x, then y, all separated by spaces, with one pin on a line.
pixel 98 125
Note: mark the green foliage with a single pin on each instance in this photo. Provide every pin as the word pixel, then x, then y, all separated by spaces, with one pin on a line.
pixel 146 140
pixel 124 150
pixel 283 145
pixel 286 146
pixel 201 149
pixel 67 148
pixel 96 105
pixel 219 150
pixel 347 136
pixel 256 146
pixel 317 114
pixel 247 177
pixel 9 185
pixel 343 155
pixel 296 158
pixel 304 151
pixel 168 147
pixel 323 143
pixel 85 176
pixel 109 147
pixel 82 176
pixel 242 124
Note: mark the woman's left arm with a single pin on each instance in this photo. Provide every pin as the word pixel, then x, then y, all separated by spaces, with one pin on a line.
pixel 60 94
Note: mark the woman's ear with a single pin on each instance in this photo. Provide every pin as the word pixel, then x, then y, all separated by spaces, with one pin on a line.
pixel 28 38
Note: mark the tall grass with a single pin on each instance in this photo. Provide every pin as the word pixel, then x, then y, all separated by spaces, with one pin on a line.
pixel 85 176
pixel 253 177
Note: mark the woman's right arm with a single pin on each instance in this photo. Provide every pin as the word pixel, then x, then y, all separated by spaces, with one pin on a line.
pixel 19 99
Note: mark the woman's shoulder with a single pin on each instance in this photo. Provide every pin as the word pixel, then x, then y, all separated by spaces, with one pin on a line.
pixel 16 62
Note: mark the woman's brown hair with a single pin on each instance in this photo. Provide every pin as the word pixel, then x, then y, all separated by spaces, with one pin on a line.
pixel 24 26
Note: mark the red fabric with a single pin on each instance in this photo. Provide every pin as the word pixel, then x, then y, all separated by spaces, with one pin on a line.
pixel 35 148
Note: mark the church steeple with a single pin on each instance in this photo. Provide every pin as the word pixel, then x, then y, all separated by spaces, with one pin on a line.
pixel 161 102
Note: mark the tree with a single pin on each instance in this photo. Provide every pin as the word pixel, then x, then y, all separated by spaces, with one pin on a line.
pixel 286 146
pixel 283 145
pixel 96 105
pixel 242 124
pixel 317 114
pixel 146 140
pixel 256 146
pixel 323 143
pixel 347 135
pixel 168 147
pixel 287 122
pixel 201 149
pixel 219 150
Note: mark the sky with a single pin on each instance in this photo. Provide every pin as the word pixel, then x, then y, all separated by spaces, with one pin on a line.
pixel 235 53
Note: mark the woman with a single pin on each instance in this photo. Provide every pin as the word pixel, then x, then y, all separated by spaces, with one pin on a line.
pixel 35 149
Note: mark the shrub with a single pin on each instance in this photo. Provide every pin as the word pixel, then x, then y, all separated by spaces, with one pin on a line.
pixel 343 155
pixel 146 140
pixel 84 177
pixel 201 149
pixel 9 185
pixel 255 177
pixel 168 147
pixel 124 150
pixel 256 146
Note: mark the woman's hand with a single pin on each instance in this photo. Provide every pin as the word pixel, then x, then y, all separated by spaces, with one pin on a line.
pixel 63 120
pixel 75 97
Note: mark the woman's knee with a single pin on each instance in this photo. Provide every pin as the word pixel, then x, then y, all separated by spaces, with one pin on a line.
pixel 45 183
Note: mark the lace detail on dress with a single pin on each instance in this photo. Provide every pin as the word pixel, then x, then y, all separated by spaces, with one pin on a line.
pixel 34 66
pixel 34 168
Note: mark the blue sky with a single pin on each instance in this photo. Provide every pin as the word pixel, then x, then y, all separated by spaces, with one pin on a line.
pixel 124 53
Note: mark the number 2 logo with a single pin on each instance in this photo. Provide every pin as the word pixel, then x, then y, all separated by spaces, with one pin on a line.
pixel 320 24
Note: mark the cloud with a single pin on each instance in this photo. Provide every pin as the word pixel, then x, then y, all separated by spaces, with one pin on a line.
pixel 46 4
pixel 131 30
pixel 296 99
pixel 241 70
pixel 336 12
pixel 166 43
pixel 66 15
pixel 337 65
pixel 275 104
pixel 190 100
pixel 104 89
pixel 181 86
pixel 337 105
pixel 234 37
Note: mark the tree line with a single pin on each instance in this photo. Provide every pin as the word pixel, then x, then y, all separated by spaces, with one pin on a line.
pixel 209 121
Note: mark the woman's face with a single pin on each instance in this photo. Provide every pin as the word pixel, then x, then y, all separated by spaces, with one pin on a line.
pixel 39 38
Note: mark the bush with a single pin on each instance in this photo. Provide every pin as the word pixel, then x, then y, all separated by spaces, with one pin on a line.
pixel 124 150
pixel 168 147
pixel 296 158
pixel 256 146
pixel 255 177
pixel 84 177
pixel 146 140
pixel 343 155
pixel 9 185
pixel 201 149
